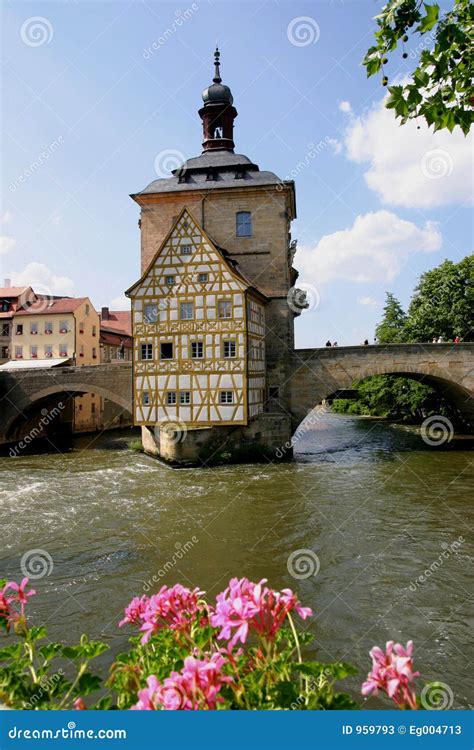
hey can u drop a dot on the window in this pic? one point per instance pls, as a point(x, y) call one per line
point(229, 349)
point(4, 306)
point(93, 408)
point(19, 352)
point(186, 311)
point(170, 280)
point(81, 327)
point(34, 352)
point(166, 350)
point(48, 327)
point(197, 349)
point(81, 350)
point(185, 397)
point(94, 353)
point(19, 329)
point(185, 249)
point(171, 398)
point(4, 354)
point(146, 351)
point(63, 326)
point(48, 351)
point(224, 308)
point(226, 397)
point(94, 330)
point(145, 398)
point(151, 313)
point(202, 278)
point(87, 309)
point(34, 328)
point(274, 392)
point(5, 329)
point(63, 351)
point(243, 224)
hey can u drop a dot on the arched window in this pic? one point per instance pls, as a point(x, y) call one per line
point(243, 224)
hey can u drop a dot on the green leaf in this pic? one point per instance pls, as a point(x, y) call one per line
point(87, 683)
point(50, 650)
point(430, 20)
point(37, 633)
point(337, 671)
point(10, 652)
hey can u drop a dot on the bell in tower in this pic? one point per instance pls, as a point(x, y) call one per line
point(218, 113)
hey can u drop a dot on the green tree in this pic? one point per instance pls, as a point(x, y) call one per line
point(440, 89)
point(391, 328)
point(443, 303)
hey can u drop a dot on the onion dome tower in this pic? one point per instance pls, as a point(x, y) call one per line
point(218, 113)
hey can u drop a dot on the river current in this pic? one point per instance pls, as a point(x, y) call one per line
point(369, 525)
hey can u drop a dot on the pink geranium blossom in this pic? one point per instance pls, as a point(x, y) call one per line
point(174, 607)
point(20, 596)
point(195, 687)
point(135, 611)
point(245, 606)
point(392, 672)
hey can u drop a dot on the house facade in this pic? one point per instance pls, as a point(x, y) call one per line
point(212, 322)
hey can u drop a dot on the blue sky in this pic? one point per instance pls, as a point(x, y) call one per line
point(90, 109)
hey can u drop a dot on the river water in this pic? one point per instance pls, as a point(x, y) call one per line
point(374, 506)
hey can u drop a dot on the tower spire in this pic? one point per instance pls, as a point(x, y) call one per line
point(217, 73)
point(218, 113)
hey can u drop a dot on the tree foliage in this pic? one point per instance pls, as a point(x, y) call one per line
point(391, 328)
point(442, 305)
point(440, 89)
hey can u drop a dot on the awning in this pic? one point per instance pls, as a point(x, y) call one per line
point(30, 364)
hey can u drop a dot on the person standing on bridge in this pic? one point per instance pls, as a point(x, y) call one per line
point(328, 343)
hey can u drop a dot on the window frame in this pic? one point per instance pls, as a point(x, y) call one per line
point(187, 398)
point(166, 343)
point(197, 344)
point(228, 343)
point(224, 401)
point(222, 302)
point(148, 350)
point(189, 303)
point(243, 226)
point(171, 399)
point(145, 398)
point(154, 307)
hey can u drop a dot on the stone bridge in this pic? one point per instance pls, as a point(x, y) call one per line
point(27, 390)
point(319, 373)
point(316, 374)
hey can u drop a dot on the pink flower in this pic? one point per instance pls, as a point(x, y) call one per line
point(135, 611)
point(195, 687)
point(174, 607)
point(79, 705)
point(392, 672)
point(245, 605)
point(20, 596)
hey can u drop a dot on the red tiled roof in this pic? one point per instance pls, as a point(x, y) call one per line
point(12, 291)
point(115, 339)
point(45, 305)
point(118, 321)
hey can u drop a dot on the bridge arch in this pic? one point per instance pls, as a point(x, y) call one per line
point(318, 374)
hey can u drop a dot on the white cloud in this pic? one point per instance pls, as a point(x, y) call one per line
point(375, 248)
point(120, 303)
point(367, 301)
point(345, 107)
point(6, 244)
point(43, 280)
point(335, 145)
point(5, 217)
point(410, 167)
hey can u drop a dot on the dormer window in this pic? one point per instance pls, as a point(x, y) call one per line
point(182, 176)
point(243, 224)
point(239, 173)
point(211, 175)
